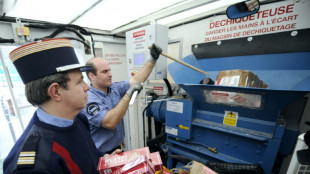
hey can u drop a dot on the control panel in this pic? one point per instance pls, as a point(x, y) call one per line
point(138, 53)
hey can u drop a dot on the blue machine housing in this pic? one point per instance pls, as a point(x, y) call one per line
point(256, 138)
point(197, 127)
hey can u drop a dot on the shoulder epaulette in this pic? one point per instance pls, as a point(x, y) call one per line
point(27, 156)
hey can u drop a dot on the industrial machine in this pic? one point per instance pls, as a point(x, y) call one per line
point(239, 125)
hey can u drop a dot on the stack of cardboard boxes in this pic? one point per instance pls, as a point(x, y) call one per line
point(135, 161)
point(241, 78)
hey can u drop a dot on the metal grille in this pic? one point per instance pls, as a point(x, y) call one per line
point(134, 125)
point(303, 169)
point(141, 118)
point(127, 140)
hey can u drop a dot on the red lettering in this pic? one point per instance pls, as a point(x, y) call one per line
point(265, 14)
point(281, 10)
point(258, 14)
point(211, 25)
point(238, 20)
point(277, 11)
point(223, 23)
point(290, 8)
point(252, 17)
point(230, 22)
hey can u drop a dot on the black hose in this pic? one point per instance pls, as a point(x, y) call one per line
point(169, 87)
point(59, 30)
point(158, 138)
point(7, 40)
point(143, 113)
point(70, 38)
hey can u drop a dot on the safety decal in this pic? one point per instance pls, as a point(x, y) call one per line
point(92, 109)
point(183, 127)
point(230, 118)
point(171, 130)
point(174, 106)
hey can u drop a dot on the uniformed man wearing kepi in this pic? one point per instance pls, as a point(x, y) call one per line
point(57, 138)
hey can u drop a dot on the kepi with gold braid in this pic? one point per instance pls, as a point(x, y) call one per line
point(46, 57)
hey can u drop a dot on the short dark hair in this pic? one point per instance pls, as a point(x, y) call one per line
point(92, 70)
point(36, 90)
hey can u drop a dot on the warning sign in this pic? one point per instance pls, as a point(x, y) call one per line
point(230, 118)
point(271, 18)
point(238, 98)
point(159, 90)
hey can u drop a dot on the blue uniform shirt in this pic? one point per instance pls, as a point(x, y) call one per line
point(98, 105)
point(52, 120)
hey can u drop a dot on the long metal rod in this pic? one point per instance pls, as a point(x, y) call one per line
point(183, 63)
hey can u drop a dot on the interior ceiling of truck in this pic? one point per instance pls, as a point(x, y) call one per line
point(113, 16)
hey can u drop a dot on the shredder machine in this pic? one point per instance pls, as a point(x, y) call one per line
point(241, 125)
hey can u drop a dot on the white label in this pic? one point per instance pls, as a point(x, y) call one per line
point(223, 81)
point(174, 106)
point(229, 81)
point(159, 90)
point(233, 98)
point(171, 131)
point(234, 81)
